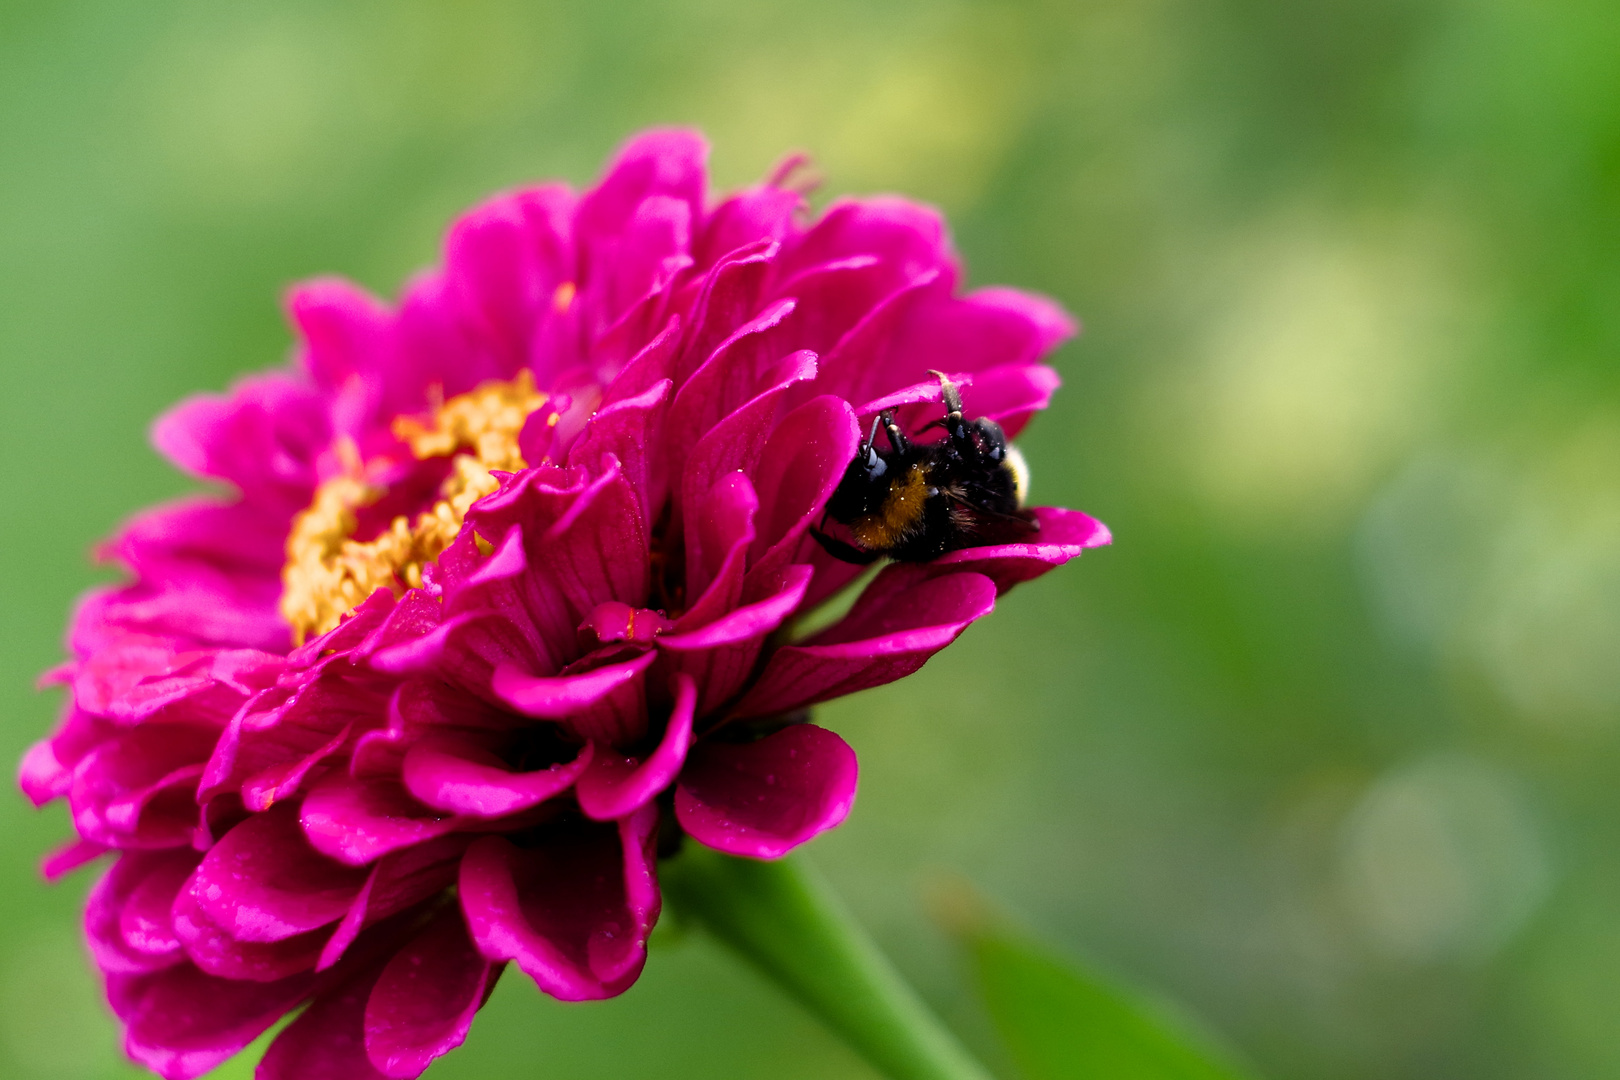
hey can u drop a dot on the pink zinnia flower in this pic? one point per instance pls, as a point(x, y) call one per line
point(502, 606)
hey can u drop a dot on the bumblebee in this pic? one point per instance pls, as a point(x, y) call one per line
point(915, 501)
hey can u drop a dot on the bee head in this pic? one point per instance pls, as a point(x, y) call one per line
point(989, 442)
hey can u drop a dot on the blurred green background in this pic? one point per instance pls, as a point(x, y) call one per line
point(1322, 749)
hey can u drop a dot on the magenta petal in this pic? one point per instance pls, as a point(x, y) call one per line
point(903, 618)
point(910, 236)
point(412, 615)
point(1064, 534)
point(181, 1022)
point(834, 297)
point(395, 883)
point(354, 921)
point(747, 622)
point(580, 546)
point(116, 665)
point(503, 263)
point(460, 777)
point(573, 911)
point(1050, 324)
point(269, 786)
point(580, 542)
point(199, 606)
point(736, 441)
point(328, 1040)
point(924, 327)
point(424, 1001)
point(614, 785)
point(263, 881)
point(731, 449)
point(801, 465)
point(275, 744)
point(720, 533)
point(42, 775)
point(862, 365)
point(212, 948)
point(420, 704)
point(666, 162)
point(629, 432)
point(616, 713)
point(126, 918)
point(614, 622)
point(559, 696)
point(978, 332)
point(206, 569)
point(69, 857)
point(763, 799)
point(648, 366)
point(730, 378)
point(439, 339)
point(47, 768)
point(232, 544)
point(730, 296)
point(263, 437)
point(645, 258)
point(747, 218)
point(722, 655)
point(358, 821)
point(347, 345)
point(139, 789)
point(465, 649)
point(203, 687)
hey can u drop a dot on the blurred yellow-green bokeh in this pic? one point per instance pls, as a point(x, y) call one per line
point(1324, 749)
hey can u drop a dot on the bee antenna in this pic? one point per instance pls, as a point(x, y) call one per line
point(953, 399)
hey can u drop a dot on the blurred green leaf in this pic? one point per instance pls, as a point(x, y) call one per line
point(1060, 1022)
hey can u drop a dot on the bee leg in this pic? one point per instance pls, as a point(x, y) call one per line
point(955, 427)
point(845, 552)
point(897, 438)
point(953, 397)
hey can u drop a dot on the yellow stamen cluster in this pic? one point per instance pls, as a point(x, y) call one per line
point(328, 573)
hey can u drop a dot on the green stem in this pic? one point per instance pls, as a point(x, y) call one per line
point(783, 917)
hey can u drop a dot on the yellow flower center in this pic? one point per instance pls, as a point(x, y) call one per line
point(328, 573)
